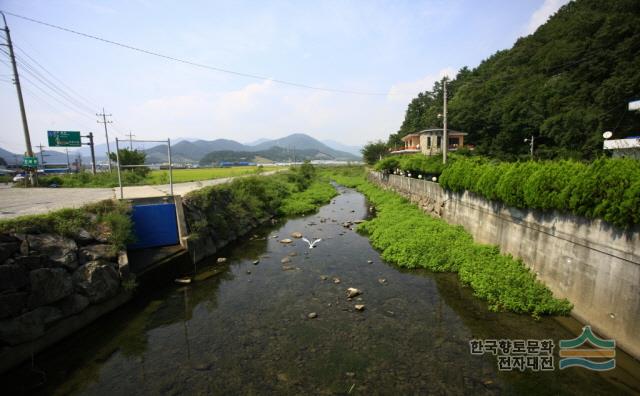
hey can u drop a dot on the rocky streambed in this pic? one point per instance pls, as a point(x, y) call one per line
point(279, 317)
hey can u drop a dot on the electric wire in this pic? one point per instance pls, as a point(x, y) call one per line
point(196, 64)
point(51, 86)
point(91, 102)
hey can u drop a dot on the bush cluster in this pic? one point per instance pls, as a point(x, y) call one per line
point(607, 188)
point(232, 208)
point(409, 238)
point(414, 163)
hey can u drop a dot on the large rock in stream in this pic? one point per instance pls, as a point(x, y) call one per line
point(97, 280)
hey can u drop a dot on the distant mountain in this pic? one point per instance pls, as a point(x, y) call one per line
point(300, 141)
point(256, 142)
point(50, 156)
point(9, 157)
point(355, 150)
point(186, 151)
point(297, 145)
point(273, 154)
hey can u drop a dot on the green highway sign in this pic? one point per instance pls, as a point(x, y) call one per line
point(64, 139)
point(30, 162)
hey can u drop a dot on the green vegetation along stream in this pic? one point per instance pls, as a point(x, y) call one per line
point(244, 328)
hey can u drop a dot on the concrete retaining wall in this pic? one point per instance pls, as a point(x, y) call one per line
point(594, 265)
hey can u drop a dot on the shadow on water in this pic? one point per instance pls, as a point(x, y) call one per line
point(244, 328)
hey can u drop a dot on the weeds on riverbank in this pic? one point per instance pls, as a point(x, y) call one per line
point(110, 218)
point(318, 193)
point(409, 238)
point(231, 209)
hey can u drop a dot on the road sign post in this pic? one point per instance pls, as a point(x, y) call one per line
point(30, 162)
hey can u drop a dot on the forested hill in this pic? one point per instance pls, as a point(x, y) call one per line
point(567, 83)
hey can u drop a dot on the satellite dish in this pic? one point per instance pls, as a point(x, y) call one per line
point(607, 134)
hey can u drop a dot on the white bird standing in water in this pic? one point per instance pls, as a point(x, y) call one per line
point(311, 245)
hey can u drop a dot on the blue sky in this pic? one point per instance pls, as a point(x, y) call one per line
point(396, 48)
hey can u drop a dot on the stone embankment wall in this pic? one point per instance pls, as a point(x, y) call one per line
point(49, 281)
point(220, 229)
point(594, 265)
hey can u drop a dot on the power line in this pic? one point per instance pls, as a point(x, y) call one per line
point(39, 88)
point(92, 103)
point(52, 108)
point(188, 62)
point(53, 87)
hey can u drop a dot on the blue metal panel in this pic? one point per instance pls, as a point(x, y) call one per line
point(154, 225)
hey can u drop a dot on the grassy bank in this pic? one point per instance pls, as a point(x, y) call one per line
point(109, 219)
point(106, 179)
point(409, 238)
point(222, 211)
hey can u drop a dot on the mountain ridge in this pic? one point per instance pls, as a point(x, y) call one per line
point(299, 145)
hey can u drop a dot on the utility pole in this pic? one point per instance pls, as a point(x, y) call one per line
point(93, 153)
point(531, 142)
point(106, 133)
point(131, 135)
point(68, 163)
point(42, 155)
point(445, 140)
point(16, 78)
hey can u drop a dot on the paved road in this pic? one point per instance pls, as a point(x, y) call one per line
point(16, 202)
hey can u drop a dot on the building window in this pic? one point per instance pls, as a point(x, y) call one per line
point(438, 142)
point(429, 141)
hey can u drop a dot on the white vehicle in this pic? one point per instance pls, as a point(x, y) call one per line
point(18, 178)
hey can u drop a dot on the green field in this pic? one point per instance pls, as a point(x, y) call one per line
point(105, 179)
point(187, 175)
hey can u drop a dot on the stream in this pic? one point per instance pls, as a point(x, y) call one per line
point(244, 328)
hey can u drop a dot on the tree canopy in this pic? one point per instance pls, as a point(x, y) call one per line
point(565, 84)
point(374, 151)
point(129, 157)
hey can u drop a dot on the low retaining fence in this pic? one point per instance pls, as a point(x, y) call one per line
point(593, 264)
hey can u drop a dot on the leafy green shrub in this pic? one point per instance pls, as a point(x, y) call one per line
point(488, 180)
point(604, 190)
point(462, 174)
point(421, 164)
point(388, 164)
point(543, 189)
point(607, 188)
point(510, 185)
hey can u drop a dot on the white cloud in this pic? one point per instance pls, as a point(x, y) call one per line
point(267, 109)
point(542, 14)
point(405, 91)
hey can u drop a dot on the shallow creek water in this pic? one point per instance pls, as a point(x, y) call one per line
point(242, 328)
